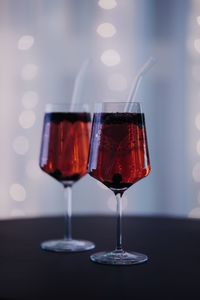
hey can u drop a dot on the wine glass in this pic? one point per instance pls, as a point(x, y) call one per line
point(118, 158)
point(64, 155)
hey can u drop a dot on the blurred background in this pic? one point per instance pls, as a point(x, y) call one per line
point(42, 46)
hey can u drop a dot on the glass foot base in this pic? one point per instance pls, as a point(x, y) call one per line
point(67, 245)
point(120, 258)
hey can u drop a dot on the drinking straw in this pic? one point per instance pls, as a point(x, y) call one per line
point(136, 82)
point(128, 107)
point(78, 85)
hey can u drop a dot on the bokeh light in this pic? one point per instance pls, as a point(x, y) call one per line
point(27, 118)
point(110, 57)
point(17, 192)
point(117, 82)
point(107, 4)
point(21, 145)
point(25, 42)
point(30, 99)
point(106, 30)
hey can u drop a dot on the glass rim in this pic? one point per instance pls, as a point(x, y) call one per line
point(66, 107)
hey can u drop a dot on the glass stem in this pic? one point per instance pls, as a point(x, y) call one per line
point(68, 213)
point(119, 222)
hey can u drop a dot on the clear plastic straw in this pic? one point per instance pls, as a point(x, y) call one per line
point(79, 82)
point(136, 82)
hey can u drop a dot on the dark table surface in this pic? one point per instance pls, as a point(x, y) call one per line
point(172, 272)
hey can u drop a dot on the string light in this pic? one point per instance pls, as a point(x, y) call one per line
point(110, 57)
point(194, 44)
point(17, 192)
point(106, 30)
point(27, 119)
point(25, 42)
point(107, 4)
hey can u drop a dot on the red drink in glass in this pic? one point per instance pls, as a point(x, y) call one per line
point(65, 145)
point(118, 158)
point(64, 156)
point(119, 154)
